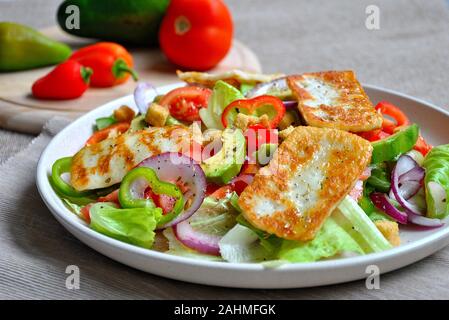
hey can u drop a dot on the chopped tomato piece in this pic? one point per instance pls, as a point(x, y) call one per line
point(222, 192)
point(184, 103)
point(238, 184)
point(112, 197)
point(163, 201)
point(85, 212)
point(105, 133)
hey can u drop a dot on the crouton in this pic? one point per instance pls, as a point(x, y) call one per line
point(124, 114)
point(156, 115)
point(390, 230)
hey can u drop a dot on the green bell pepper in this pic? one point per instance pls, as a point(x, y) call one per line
point(128, 200)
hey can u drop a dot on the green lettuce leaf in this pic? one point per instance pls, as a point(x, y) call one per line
point(223, 94)
point(348, 230)
point(330, 241)
point(436, 164)
point(351, 217)
point(135, 226)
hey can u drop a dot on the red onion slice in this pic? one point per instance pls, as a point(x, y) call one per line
point(143, 91)
point(415, 174)
point(407, 189)
point(424, 221)
point(202, 242)
point(404, 164)
point(407, 164)
point(277, 86)
point(382, 202)
point(175, 167)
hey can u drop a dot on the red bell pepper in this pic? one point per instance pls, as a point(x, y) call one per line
point(386, 108)
point(69, 80)
point(389, 127)
point(111, 63)
point(271, 106)
point(422, 146)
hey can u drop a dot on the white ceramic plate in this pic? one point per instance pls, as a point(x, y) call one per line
point(417, 244)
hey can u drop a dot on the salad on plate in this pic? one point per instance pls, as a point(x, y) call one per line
point(243, 167)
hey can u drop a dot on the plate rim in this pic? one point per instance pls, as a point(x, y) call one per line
point(394, 253)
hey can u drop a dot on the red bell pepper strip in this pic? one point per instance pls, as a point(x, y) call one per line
point(422, 146)
point(103, 134)
point(386, 108)
point(257, 135)
point(389, 127)
point(373, 135)
point(69, 80)
point(111, 63)
point(258, 106)
point(260, 135)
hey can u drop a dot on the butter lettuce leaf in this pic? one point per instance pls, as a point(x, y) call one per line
point(135, 226)
point(436, 164)
point(330, 241)
point(223, 94)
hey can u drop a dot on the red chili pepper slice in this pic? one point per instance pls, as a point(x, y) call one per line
point(258, 106)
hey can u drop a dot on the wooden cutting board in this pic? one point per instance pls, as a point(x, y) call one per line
point(19, 111)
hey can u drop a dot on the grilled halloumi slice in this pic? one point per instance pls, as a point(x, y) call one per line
point(334, 99)
point(233, 77)
point(107, 162)
point(310, 173)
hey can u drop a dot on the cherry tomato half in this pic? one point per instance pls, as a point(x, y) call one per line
point(184, 103)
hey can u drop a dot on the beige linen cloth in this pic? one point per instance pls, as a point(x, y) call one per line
point(409, 53)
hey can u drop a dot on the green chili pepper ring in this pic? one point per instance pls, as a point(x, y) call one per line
point(127, 200)
point(61, 166)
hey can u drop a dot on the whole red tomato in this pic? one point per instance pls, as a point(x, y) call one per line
point(196, 34)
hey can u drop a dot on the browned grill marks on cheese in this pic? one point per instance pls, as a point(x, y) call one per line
point(350, 110)
point(105, 163)
point(345, 157)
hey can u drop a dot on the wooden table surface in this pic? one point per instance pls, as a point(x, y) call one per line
point(408, 53)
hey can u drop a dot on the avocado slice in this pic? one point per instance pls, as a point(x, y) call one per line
point(226, 164)
point(389, 148)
